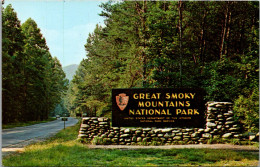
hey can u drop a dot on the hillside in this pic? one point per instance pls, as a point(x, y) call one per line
point(70, 71)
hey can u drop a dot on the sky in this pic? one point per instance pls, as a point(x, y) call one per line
point(65, 24)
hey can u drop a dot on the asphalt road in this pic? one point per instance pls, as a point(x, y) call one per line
point(25, 135)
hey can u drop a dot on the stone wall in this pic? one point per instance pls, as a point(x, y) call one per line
point(219, 124)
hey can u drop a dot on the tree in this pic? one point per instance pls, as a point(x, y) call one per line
point(12, 56)
point(141, 43)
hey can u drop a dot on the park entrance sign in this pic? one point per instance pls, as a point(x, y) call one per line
point(158, 107)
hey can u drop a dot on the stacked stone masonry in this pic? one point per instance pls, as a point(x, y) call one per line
point(219, 124)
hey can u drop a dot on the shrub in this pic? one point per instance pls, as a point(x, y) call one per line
point(247, 111)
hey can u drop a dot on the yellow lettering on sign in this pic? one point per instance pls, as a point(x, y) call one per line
point(135, 96)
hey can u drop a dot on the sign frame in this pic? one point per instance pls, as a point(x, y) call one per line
point(158, 107)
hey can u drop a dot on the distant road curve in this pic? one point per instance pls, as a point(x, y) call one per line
point(22, 136)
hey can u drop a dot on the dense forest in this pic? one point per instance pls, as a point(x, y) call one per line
point(171, 44)
point(33, 82)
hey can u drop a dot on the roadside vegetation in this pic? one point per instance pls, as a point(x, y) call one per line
point(64, 150)
point(172, 44)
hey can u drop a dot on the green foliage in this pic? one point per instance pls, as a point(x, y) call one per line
point(247, 110)
point(33, 81)
point(68, 153)
point(145, 43)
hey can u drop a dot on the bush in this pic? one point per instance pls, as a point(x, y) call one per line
point(247, 111)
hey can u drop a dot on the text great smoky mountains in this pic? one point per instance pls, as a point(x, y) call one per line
point(162, 102)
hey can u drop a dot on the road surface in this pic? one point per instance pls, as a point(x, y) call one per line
point(22, 136)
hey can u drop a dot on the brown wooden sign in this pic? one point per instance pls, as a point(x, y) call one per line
point(155, 107)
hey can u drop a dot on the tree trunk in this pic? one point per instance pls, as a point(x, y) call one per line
point(224, 30)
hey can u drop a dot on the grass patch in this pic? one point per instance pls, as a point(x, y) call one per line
point(64, 150)
point(20, 124)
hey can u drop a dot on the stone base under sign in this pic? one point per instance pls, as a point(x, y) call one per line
point(219, 124)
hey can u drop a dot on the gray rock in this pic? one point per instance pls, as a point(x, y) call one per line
point(127, 131)
point(234, 129)
point(139, 139)
point(167, 135)
point(219, 126)
point(82, 136)
point(138, 132)
point(194, 135)
point(168, 130)
point(127, 140)
point(206, 135)
point(212, 104)
point(227, 103)
point(147, 129)
point(157, 130)
point(124, 135)
point(175, 131)
point(227, 126)
point(153, 135)
point(160, 135)
point(101, 119)
point(220, 106)
point(179, 134)
point(230, 122)
point(230, 119)
point(220, 116)
point(212, 109)
point(236, 136)
point(177, 138)
point(211, 125)
point(252, 137)
point(207, 130)
point(210, 120)
point(227, 135)
point(201, 130)
point(102, 123)
point(188, 130)
point(151, 132)
point(84, 126)
point(228, 114)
